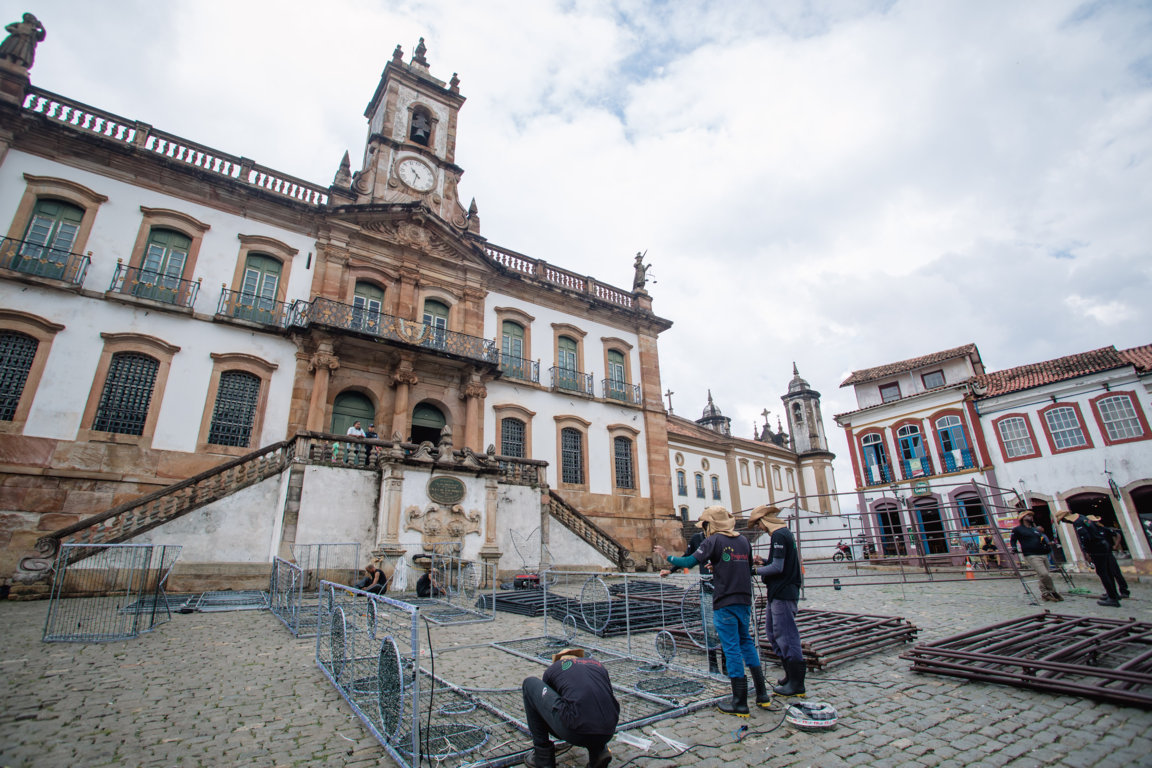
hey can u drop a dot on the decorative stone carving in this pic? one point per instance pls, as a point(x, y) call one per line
point(474, 389)
point(405, 376)
point(423, 453)
point(323, 360)
point(440, 524)
point(343, 178)
point(20, 45)
point(446, 453)
point(471, 460)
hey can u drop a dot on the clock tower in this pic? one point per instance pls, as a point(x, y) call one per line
point(411, 149)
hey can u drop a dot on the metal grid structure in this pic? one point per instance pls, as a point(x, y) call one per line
point(831, 637)
point(1100, 658)
point(108, 592)
point(337, 562)
point(462, 584)
point(293, 587)
point(230, 600)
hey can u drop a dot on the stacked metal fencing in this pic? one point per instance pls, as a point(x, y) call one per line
point(108, 592)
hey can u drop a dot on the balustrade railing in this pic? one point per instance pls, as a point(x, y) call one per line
point(42, 261)
point(144, 137)
point(620, 390)
point(520, 368)
point(334, 314)
point(958, 460)
point(877, 474)
point(917, 467)
point(253, 308)
point(569, 380)
point(154, 286)
point(579, 524)
point(542, 270)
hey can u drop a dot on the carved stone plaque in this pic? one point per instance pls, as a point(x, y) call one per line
point(445, 490)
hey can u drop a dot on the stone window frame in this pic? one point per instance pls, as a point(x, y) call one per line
point(503, 411)
point(698, 484)
point(115, 343)
point(235, 361)
point(790, 479)
point(714, 483)
point(267, 246)
point(745, 477)
point(681, 483)
point(49, 187)
point(616, 344)
point(577, 335)
point(44, 331)
point(777, 483)
point(571, 421)
point(166, 218)
point(761, 477)
point(445, 297)
point(633, 435)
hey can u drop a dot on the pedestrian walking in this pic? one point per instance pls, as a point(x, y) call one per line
point(1030, 542)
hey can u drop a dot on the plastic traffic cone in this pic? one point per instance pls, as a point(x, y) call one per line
point(969, 572)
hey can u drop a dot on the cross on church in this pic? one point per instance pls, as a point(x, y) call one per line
point(765, 413)
point(668, 395)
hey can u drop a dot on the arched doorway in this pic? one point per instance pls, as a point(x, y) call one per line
point(348, 408)
point(1142, 501)
point(933, 540)
point(427, 421)
point(891, 529)
point(1099, 505)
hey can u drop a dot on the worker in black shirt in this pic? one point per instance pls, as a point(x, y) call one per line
point(574, 702)
point(782, 578)
point(1097, 545)
point(1034, 548)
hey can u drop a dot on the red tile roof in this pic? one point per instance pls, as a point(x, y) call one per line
point(891, 369)
point(1050, 371)
point(1141, 357)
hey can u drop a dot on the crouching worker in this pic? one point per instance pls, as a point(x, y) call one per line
point(782, 577)
point(373, 581)
point(731, 557)
point(574, 702)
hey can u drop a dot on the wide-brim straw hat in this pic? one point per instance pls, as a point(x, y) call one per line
point(577, 653)
point(1020, 517)
point(768, 517)
point(1066, 516)
point(719, 520)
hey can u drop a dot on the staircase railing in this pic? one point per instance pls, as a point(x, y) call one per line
point(147, 512)
point(599, 539)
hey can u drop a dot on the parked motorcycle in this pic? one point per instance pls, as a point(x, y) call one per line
point(843, 552)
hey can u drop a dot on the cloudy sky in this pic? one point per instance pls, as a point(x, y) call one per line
point(840, 184)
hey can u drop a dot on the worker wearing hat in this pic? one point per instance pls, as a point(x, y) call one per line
point(1096, 542)
point(1028, 540)
point(574, 702)
point(782, 577)
point(731, 557)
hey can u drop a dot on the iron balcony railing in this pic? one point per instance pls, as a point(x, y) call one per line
point(254, 309)
point(958, 460)
point(571, 381)
point(877, 474)
point(520, 368)
point(361, 320)
point(920, 466)
point(621, 390)
point(42, 261)
point(154, 286)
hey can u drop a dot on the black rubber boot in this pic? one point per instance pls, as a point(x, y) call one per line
point(713, 667)
point(763, 700)
point(795, 684)
point(599, 758)
point(540, 758)
point(738, 704)
point(783, 680)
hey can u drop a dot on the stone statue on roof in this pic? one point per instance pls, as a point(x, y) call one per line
point(20, 45)
point(641, 275)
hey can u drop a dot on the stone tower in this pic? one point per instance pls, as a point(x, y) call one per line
point(713, 419)
point(802, 404)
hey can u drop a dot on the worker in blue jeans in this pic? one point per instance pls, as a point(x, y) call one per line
point(730, 555)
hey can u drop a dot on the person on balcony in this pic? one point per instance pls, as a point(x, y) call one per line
point(731, 557)
point(1028, 540)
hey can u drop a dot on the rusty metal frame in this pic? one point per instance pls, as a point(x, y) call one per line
point(1109, 659)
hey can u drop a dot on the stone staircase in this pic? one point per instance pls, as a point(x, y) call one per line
point(595, 536)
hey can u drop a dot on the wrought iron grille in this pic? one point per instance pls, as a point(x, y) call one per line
point(958, 459)
point(235, 409)
point(571, 381)
point(17, 351)
point(512, 438)
point(621, 390)
point(253, 308)
point(520, 368)
point(127, 394)
point(43, 261)
point(423, 335)
point(154, 286)
point(572, 456)
point(622, 447)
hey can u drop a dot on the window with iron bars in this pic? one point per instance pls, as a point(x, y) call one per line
point(622, 448)
point(699, 486)
point(715, 488)
point(17, 351)
point(235, 410)
point(512, 438)
point(123, 407)
point(681, 482)
point(571, 456)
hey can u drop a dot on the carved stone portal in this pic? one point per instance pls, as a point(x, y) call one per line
point(439, 523)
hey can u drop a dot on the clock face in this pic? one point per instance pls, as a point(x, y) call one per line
point(415, 174)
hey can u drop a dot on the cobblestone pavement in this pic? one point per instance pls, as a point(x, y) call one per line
point(237, 689)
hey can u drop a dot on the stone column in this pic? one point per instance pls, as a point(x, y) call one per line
point(404, 379)
point(390, 511)
point(490, 553)
point(473, 395)
point(321, 366)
